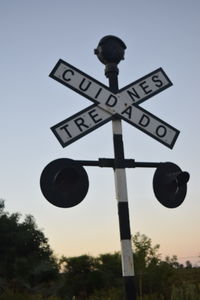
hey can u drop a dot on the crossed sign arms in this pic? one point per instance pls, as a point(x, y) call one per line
point(106, 105)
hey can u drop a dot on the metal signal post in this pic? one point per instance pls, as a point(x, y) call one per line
point(110, 52)
point(64, 182)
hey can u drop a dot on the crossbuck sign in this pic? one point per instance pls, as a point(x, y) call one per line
point(106, 105)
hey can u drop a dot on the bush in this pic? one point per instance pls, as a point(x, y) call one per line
point(9, 295)
point(187, 291)
point(111, 294)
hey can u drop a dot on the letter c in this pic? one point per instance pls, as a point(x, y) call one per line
point(65, 73)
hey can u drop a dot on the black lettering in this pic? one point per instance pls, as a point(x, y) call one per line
point(66, 130)
point(133, 94)
point(64, 75)
point(161, 131)
point(97, 94)
point(145, 87)
point(128, 111)
point(158, 82)
point(86, 87)
point(144, 121)
point(113, 101)
point(80, 123)
point(93, 114)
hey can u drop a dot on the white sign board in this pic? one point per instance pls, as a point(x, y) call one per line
point(124, 104)
point(80, 124)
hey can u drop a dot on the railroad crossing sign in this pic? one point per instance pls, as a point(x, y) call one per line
point(106, 105)
point(110, 103)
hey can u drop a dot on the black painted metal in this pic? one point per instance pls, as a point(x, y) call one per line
point(170, 184)
point(110, 50)
point(125, 233)
point(129, 286)
point(146, 164)
point(120, 163)
point(118, 148)
point(64, 182)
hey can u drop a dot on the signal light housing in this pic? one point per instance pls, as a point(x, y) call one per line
point(64, 182)
point(170, 184)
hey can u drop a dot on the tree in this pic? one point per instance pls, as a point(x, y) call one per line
point(80, 276)
point(85, 274)
point(24, 250)
point(188, 264)
point(146, 258)
point(110, 270)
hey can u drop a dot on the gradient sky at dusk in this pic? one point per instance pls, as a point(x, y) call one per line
point(34, 35)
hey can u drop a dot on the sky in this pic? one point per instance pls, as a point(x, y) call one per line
point(34, 36)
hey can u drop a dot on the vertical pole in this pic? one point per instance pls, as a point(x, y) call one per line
point(111, 73)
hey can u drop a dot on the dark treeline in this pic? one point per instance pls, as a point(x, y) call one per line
point(29, 270)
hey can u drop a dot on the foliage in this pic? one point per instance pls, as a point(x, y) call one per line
point(25, 254)
point(145, 253)
point(187, 291)
point(29, 270)
point(109, 267)
point(80, 276)
point(84, 275)
point(146, 261)
point(110, 294)
point(10, 295)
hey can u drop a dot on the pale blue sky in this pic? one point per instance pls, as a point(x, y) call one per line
point(34, 35)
